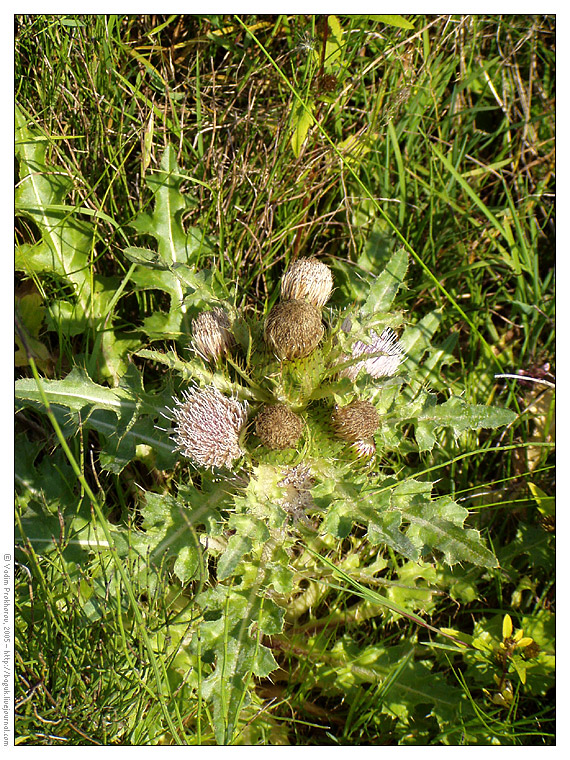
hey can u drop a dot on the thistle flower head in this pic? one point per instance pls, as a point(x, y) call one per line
point(211, 334)
point(364, 449)
point(278, 427)
point(384, 365)
point(208, 426)
point(297, 499)
point(307, 280)
point(293, 329)
point(357, 421)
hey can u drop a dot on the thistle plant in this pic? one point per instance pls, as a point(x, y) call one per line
point(284, 426)
point(324, 387)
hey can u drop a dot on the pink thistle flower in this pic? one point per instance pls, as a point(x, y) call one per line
point(208, 426)
point(384, 365)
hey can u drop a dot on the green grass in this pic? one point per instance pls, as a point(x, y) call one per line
point(439, 139)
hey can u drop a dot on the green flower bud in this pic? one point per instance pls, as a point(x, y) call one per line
point(364, 449)
point(278, 427)
point(293, 329)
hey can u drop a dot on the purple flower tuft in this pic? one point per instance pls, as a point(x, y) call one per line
point(208, 427)
point(391, 356)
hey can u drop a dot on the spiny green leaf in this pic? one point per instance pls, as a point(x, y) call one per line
point(145, 257)
point(405, 517)
point(164, 222)
point(384, 289)
point(76, 392)
point(66, 240)
point(173, 267)
point(416, 339)
point(126, 416)
point(461, 415)
point(237, 547)
point(458, 415)
point(170, 534)
point(65, 249)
